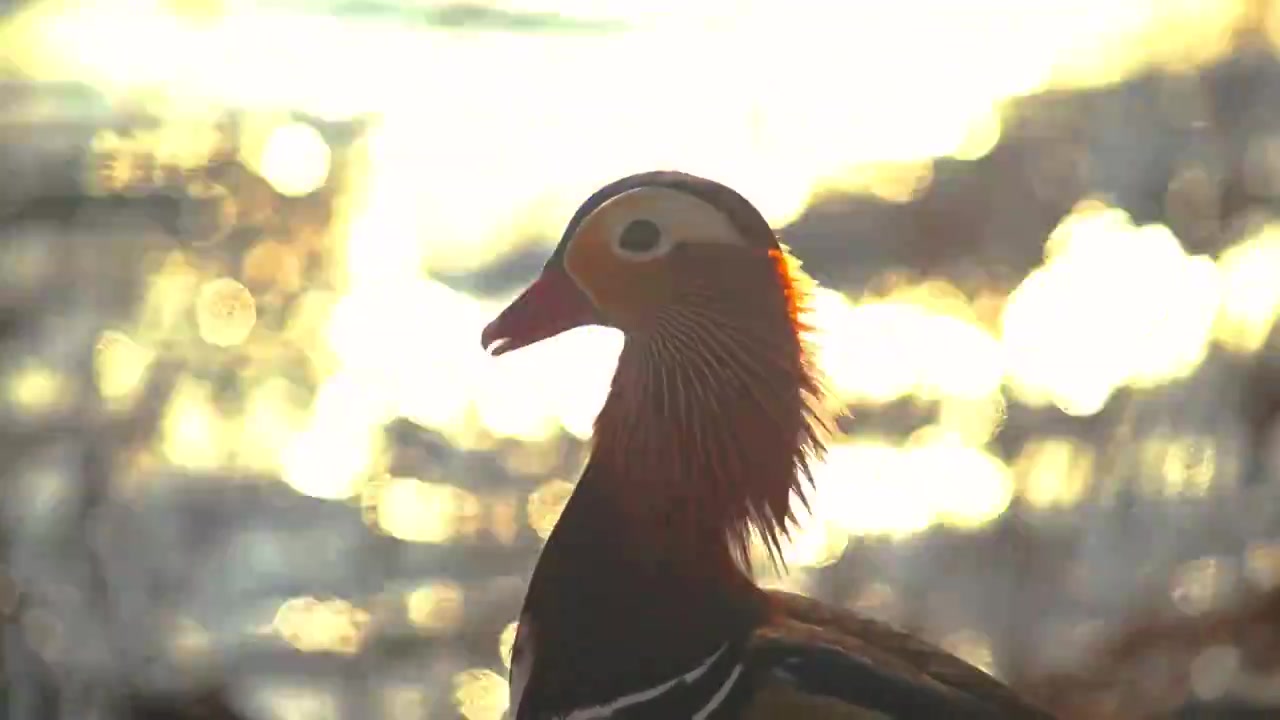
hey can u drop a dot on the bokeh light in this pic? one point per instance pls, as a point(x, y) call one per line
point(423, 511)
point(36, 390)
point(874, 487)
point(120, 365)
point(545, 505)
point(225, 312)
point(293, 157)
point(311, 624)
point(336, 239)
point(193, 434)
point(1054, 472)
point(480, 694)
point(1113, 305)
point(301, 702)
point(1250, 293)
point(506, 642)
point(436, 608)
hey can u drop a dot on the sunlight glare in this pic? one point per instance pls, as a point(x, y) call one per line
point(873, 487)
point(861, 484)
point(967, 486)
point(1114, 305)
point(561, 383)
point(272, 418)
point(333, 456)
point(293, 157)
point(1250, 291)
point(817, 539)
point(884, 349)
point(424, 512)
point(192, 432)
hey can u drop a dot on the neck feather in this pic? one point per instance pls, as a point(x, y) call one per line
point(714, 414)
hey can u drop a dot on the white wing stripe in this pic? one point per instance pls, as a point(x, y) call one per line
point(603, 711)
point(720, 695)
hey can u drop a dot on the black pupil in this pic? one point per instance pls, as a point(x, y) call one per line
point(639, 236)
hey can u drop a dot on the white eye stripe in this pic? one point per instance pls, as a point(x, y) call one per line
point(678, 217)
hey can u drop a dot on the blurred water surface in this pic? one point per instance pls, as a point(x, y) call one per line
point(246, 250)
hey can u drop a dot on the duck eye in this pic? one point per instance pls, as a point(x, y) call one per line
point(640, 236)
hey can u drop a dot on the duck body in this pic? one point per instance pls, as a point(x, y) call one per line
point(640, 605)
point(609, 631)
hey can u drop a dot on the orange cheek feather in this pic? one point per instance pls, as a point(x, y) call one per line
point(627, 293)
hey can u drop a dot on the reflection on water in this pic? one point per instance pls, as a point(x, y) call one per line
point(355, 195)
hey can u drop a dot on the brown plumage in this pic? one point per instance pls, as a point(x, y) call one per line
point(715, 354)
point(641, 605)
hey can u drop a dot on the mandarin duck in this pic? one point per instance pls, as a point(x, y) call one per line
point(641, 604)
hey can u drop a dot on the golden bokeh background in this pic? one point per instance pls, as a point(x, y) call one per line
point(247, 249)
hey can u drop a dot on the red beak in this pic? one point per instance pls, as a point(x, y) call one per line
point(548, 307)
